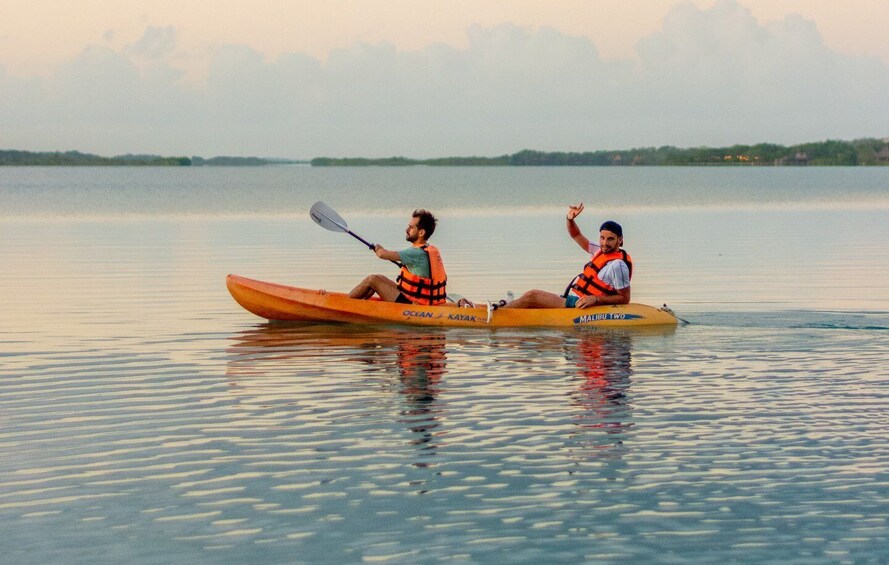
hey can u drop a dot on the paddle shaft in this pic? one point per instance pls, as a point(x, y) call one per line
point(361, 239)
point(370, 246)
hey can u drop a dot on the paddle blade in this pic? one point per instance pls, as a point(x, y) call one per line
point(327, 218)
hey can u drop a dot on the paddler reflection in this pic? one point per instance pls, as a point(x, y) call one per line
point(273, 366)
point(602, 393)
point(605, 370)
point(422, 361)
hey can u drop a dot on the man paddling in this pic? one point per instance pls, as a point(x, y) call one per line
point(605, 278)
point(422, 279)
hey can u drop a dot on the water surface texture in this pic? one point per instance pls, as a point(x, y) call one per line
point(146, 418)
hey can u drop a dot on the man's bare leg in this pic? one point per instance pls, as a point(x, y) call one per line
point(537, 299)
point(376, 284)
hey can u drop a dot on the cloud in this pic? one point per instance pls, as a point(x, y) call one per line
point(715, 76)
point(154, 43)
point(720, 70)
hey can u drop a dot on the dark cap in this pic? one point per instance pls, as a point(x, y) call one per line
point(613, 227)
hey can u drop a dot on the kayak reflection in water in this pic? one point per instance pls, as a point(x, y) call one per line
point(275, 372)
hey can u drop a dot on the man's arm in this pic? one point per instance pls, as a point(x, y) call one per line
point(573, 230)
point(622, 297)
point(384, 253)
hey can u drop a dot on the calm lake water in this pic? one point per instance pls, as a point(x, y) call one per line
point(146, 418)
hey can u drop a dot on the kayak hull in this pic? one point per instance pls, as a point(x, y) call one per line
point(277, 302)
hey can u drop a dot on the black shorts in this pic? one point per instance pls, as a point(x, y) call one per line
point(402, 299)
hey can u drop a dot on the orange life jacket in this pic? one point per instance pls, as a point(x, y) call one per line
point(420, 290)
point(588, 282)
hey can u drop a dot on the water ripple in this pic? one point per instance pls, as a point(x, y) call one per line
point(144, 419)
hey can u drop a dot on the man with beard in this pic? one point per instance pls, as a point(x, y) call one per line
point(422, 279)
point(605, 278)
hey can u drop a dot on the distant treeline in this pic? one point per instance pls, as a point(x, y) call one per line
point(76, 158)
point(825, 153)
point(864, 152)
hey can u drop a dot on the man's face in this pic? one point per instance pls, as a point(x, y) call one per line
point(412, 233)
point(610, 241)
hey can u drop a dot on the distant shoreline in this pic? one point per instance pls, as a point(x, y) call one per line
point(78, 159)
point(860, 152)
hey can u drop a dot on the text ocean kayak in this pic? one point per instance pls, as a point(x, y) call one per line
point(278, 302)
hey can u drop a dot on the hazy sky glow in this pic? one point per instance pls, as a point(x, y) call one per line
point(425, 78)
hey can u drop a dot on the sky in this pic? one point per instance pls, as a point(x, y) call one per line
point(430, 78)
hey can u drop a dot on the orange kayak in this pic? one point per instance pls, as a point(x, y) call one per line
point(278, 302)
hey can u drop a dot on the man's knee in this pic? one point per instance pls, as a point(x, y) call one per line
point(536, 296)
point(376, 281)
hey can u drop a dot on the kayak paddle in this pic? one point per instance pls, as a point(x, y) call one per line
point(329, 219)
